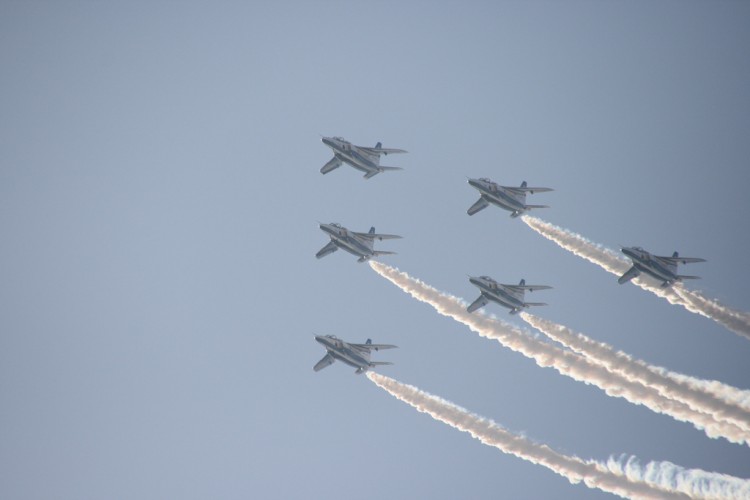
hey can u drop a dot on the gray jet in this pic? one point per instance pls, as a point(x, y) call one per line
point(359, 244)
point(508, 198)
point(360, 157)
point(510, 296)
point(355, 355)
point(662, 268)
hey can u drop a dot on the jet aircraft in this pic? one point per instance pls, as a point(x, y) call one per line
point(360, 157)
point(355, 355)
point(662, 268)
point(508, 198)
point(510, 296)
point(359, 244)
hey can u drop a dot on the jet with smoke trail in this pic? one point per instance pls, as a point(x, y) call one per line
point(624, 477)
point(565, 362)
point(662, 268)
point(512, 199)
point(510, 296)
point(700, 397)
point(736, 321)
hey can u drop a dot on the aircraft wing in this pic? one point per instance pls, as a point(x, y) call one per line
point(329, 248)
point(379, 236)
point(481, 204)
point(528, 288)
point(332, 164)
point(377, 347)
point(683, 260)
point(526, 189)
point(480, 302)
point(326, 361)
point(387, 151)
point(629, 275)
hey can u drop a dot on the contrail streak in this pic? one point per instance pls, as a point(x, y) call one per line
point(736, 321)
point(698, 395)
point(624, 477)
point(565, 362)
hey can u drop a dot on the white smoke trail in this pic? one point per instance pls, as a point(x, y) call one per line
point(488, 432)
point(736, 321)
point(624, 477)
point(565, 362)
point(699, 396)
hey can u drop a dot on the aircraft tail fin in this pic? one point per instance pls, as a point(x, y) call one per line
point(675, 255)
point(372, 230)
point(522, 282)
point(378, 145)
point(523, 184)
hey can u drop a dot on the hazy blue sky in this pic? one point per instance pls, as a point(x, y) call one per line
point(159, 199)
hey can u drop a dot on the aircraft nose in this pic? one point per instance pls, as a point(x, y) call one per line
point(475, 183)
point(327, 141)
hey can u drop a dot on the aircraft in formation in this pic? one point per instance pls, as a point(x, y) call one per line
point(354, 355)
point(360, 157)
point(359, 244)
point(510, 296)
point(660, 267)
point(508, 198)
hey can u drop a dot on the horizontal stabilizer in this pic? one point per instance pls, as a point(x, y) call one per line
point(533, 190)
point(528, 207)
point(686, 277)
point(527, 304)
point(377, 253)
point(481, 204)
point(380, 363)
point(380, 169)
point(329, 248)
point(332, 164)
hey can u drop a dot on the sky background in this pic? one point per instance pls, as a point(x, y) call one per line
point(159, 199)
